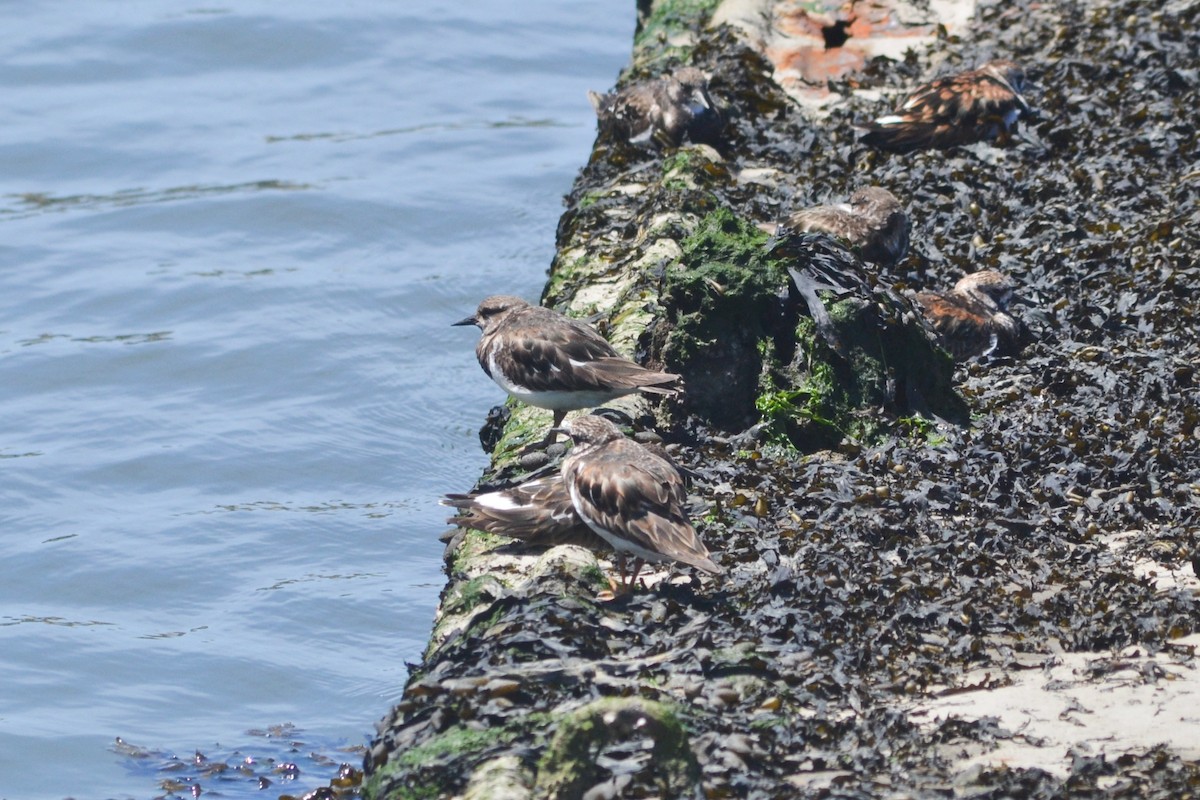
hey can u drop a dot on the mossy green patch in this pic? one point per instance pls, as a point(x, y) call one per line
point(695, 168)
point(679, 161)
point(823, 396)
point(723, 292)
point(920, 428)
point(568, 272)
point(590, 199)
point(737, 654)
point(595, 576)
point(419, 772)
point(382, 784)
point(568, 764)
point(462, 599)
point(748, 351)
point(568, 767)
point(461, 739)
point(667, 24)
point(727, 239)
point(811, 403)
point(472, 544)
point(527, 425)
point(465, 595)
point(767, 722)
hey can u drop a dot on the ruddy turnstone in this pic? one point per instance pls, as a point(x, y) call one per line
point(538, 512)
point(873, 224)
point(631, 497)
point(972, 318)
point(968, 107)
point(662, 111)
point(548, 360)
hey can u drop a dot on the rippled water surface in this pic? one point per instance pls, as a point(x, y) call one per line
point(232, 239)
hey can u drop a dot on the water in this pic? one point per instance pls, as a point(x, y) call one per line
point(232, 240)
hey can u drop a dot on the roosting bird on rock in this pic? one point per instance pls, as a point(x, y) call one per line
point(978, 105)
point(872, 223)
point(662, 112)
point(549, 360)
point(538, 512)
point(631, 497)
point(972, 318)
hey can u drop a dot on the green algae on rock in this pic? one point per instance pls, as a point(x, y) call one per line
point(568, 767)
point(747, 348)
point(721, 297)
point(668, 29)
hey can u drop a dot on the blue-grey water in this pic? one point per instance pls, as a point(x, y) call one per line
point(233, 237)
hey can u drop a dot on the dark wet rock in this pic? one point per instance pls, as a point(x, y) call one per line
point(535, 459)
point(882, 553)
point(493, 427)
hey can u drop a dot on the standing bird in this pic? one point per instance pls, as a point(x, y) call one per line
point(630, 497)
point(981, 104)
point(661, 112)
point(972, 318)
point(873, 224)
point(538, 512)
point(549, 360)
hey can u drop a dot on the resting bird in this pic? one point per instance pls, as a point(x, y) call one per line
point(873, 224)
point(662, 112)
point(549, 360)
point(538, 512)
point(631, 497)
point(972, 318)
point(978, 105)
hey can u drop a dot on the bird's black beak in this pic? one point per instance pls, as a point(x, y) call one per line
point(557, 431)
point(467, 321)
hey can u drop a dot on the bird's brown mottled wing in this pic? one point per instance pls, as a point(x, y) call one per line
point(558, 354)
point(940, 99)
point(538, 345)
point(959, 109)
point(632, 113)
point(639, 497)
point(661, 112)
point(972, 107)
point(964, 330)
point(538, 512)
point(827, 219)
point(625, 374)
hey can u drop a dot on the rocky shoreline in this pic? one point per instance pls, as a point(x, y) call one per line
point(975, 581)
